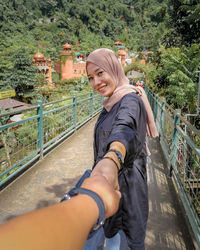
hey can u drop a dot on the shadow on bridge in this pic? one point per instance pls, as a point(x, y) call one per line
point(46, 182)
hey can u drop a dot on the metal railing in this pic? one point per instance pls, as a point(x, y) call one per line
point(42, 127)
point(180, 142)
point(45, 125)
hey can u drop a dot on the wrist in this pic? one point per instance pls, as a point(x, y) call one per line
point(117, 145)
point(118, 155)
point(108, 192)
point(96, 198)
point(113, 159)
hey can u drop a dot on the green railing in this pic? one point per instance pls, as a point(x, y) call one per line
point(45, 125)
point(42, 127)
point(180, 142)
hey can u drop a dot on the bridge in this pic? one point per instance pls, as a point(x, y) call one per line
point(44, 154)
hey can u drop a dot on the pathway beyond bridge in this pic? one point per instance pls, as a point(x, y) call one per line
point(46, 182)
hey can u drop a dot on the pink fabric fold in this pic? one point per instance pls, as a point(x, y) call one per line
point(151, 126)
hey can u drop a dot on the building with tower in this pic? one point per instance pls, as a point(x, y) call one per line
point(67, 67)
point(44, 66)
point(122, 56)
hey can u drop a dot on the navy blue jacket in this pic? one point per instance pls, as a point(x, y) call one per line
point(126, 122)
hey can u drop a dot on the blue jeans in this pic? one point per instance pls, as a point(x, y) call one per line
point(96, 242)
point(118, 242)
point(113, 243)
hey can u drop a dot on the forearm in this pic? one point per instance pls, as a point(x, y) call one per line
point(62, 226)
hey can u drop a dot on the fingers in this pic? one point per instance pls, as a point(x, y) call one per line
point(108, 171)
point(109, 179)
point(119, 194)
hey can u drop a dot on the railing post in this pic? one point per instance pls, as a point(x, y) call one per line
point(74, 110)
point(175, 141)
point(156, 107)
point(40, 128)
point(162, 116)
point(152, 101)
point(91, 103)
point(147, 91)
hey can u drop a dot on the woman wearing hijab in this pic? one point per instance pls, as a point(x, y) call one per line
point(120, 146)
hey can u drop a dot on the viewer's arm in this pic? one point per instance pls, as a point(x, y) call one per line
point(63, 226)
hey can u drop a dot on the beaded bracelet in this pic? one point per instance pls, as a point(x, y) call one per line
point(119, 155)
point(110, 158)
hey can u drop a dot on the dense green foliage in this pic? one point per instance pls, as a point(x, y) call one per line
point(27, 26)
point(186, 20)
point(178, 62)
point(94, 23)
point(180, 66)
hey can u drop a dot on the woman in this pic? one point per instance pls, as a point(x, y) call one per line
point(119, 145)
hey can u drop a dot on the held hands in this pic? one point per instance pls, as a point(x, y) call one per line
point(110, 197)
point(106, 168)
point(104, 178)
point(109, 168)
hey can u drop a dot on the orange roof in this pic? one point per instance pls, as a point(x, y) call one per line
point(122, 52)
point(39, 57)
point(118, 43)
point(67, 46)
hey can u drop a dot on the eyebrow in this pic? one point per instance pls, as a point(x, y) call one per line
point(95, 71)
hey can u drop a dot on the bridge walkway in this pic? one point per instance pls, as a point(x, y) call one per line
point(46, 182)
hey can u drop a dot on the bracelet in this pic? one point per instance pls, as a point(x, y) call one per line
point(96, 198)
point(119, 155)
point(110, 158)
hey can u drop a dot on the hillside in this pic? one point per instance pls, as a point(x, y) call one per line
point(50, 23)
point(170, 28)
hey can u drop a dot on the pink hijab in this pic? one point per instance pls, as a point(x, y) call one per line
point(107, 60)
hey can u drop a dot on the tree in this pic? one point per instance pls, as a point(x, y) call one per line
point(16, 70)
point(6, 67)
point(186, 18)
point(23, 75)
point(179, 68)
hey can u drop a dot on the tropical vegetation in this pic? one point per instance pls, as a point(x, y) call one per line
point(169, 28)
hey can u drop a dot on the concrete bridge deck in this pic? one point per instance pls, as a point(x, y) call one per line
point(46, 182)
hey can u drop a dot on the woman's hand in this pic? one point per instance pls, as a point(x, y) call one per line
point(108, 194)
point(107, 168)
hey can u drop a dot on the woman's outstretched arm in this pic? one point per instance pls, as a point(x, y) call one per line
point(107, 167)
point(62, 226)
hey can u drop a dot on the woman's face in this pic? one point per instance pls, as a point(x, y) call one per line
point(100, 80)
